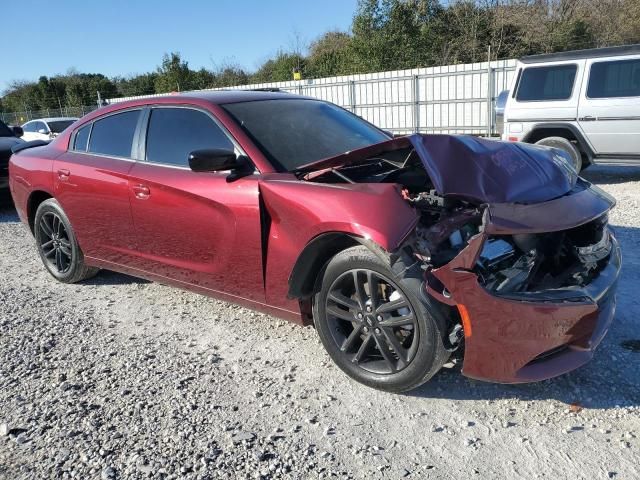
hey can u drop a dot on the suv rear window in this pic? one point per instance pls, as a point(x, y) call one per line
point(113, 135)
point(546, 83)
point(619, 78)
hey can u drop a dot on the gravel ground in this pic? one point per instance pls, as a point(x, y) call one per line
point(122, 378)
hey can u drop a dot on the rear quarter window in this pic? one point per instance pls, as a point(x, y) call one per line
point(81, 139)
point(620, 78)
point(546, 83)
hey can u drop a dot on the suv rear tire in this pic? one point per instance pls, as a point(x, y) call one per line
point(567, 146)
point(389, 340)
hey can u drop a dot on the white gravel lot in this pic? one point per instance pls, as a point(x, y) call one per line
point(120, 378)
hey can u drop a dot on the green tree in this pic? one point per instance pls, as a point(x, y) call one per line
point(174, 74)
point(330, 55)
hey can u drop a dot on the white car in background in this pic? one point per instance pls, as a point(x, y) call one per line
point(45, 128)
point(585, 102)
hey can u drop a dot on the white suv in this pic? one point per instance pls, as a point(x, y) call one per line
point(585, 102)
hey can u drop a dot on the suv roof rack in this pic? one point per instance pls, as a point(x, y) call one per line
point(582, 54)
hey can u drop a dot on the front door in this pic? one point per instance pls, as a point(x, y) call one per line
point(198, 228)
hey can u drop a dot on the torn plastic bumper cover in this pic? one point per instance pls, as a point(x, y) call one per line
point(523, 336)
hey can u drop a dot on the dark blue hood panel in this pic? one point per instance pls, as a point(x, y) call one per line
point(488, 171)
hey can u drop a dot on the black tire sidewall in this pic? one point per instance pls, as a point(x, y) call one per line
point(53, 206)
point(425, 361)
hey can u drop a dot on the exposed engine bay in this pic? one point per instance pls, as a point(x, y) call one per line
point(507, 264)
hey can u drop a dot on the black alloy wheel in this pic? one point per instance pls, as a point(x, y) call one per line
point(375, 323)
point(55, 244)
point(371, 321)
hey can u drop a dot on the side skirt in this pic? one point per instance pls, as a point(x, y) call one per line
point(292, 316)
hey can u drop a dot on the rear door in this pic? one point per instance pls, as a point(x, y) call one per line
point(91, 184)
point(199, 228)
point(609, 111)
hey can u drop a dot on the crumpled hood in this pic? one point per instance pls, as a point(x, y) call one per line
point(490, 171)
point(477, 169)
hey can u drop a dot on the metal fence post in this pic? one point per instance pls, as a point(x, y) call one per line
point(352, 95)
point(416, 105)
point(489, 99)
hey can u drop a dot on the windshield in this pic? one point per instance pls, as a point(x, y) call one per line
point(58, 126)
point(294, 132)
point(5, 131)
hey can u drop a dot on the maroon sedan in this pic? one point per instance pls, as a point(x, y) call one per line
point(401, 251)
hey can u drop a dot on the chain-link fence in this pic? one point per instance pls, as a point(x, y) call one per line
point(18, 118)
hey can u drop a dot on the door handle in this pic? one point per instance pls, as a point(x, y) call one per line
point(63, 174)
point(141, 192)
point(587, 118)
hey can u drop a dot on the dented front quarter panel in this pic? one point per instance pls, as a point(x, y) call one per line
point(301, 211)
point(505, 335)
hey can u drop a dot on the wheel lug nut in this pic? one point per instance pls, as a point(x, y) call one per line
point(377, 330)
point(379, 318)
point(368, 308)
point(360, 315)
point(366, 329)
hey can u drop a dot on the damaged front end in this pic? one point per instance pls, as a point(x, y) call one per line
point(514, 246)
point(532, 304)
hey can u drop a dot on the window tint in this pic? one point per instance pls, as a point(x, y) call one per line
point(175, 132)
point(614, 79)
point(81, 139)
point(59, 125)
point(40, 126)
point(114, 135)
point(546, 83)
point(29, 127)
point(292, 133)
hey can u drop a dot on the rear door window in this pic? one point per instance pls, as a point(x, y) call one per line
point(620, 78)
point(174, 133)
point(546, 83)
point(114, 134)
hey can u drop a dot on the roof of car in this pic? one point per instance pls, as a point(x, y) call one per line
point(212, 96)
point(53, 119)
point(583, 54)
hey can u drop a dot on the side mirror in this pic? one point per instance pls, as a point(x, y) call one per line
point(17, 131)
point(213, 160)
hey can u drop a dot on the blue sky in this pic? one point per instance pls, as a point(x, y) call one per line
point(123, 37)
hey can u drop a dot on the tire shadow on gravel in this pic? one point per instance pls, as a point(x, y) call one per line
point(611, 175)
point(107, 277)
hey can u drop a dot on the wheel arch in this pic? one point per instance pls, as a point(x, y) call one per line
point(35, 199)
point(564, 130)
point(315, 255)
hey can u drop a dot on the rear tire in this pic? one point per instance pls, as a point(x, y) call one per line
point(389, 341)
point(567, 146)
point(57, 244)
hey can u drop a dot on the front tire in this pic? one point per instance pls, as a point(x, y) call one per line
point(57, 244)
point(373, 323)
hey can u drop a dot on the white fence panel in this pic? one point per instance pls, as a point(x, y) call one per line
point(445, 99)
